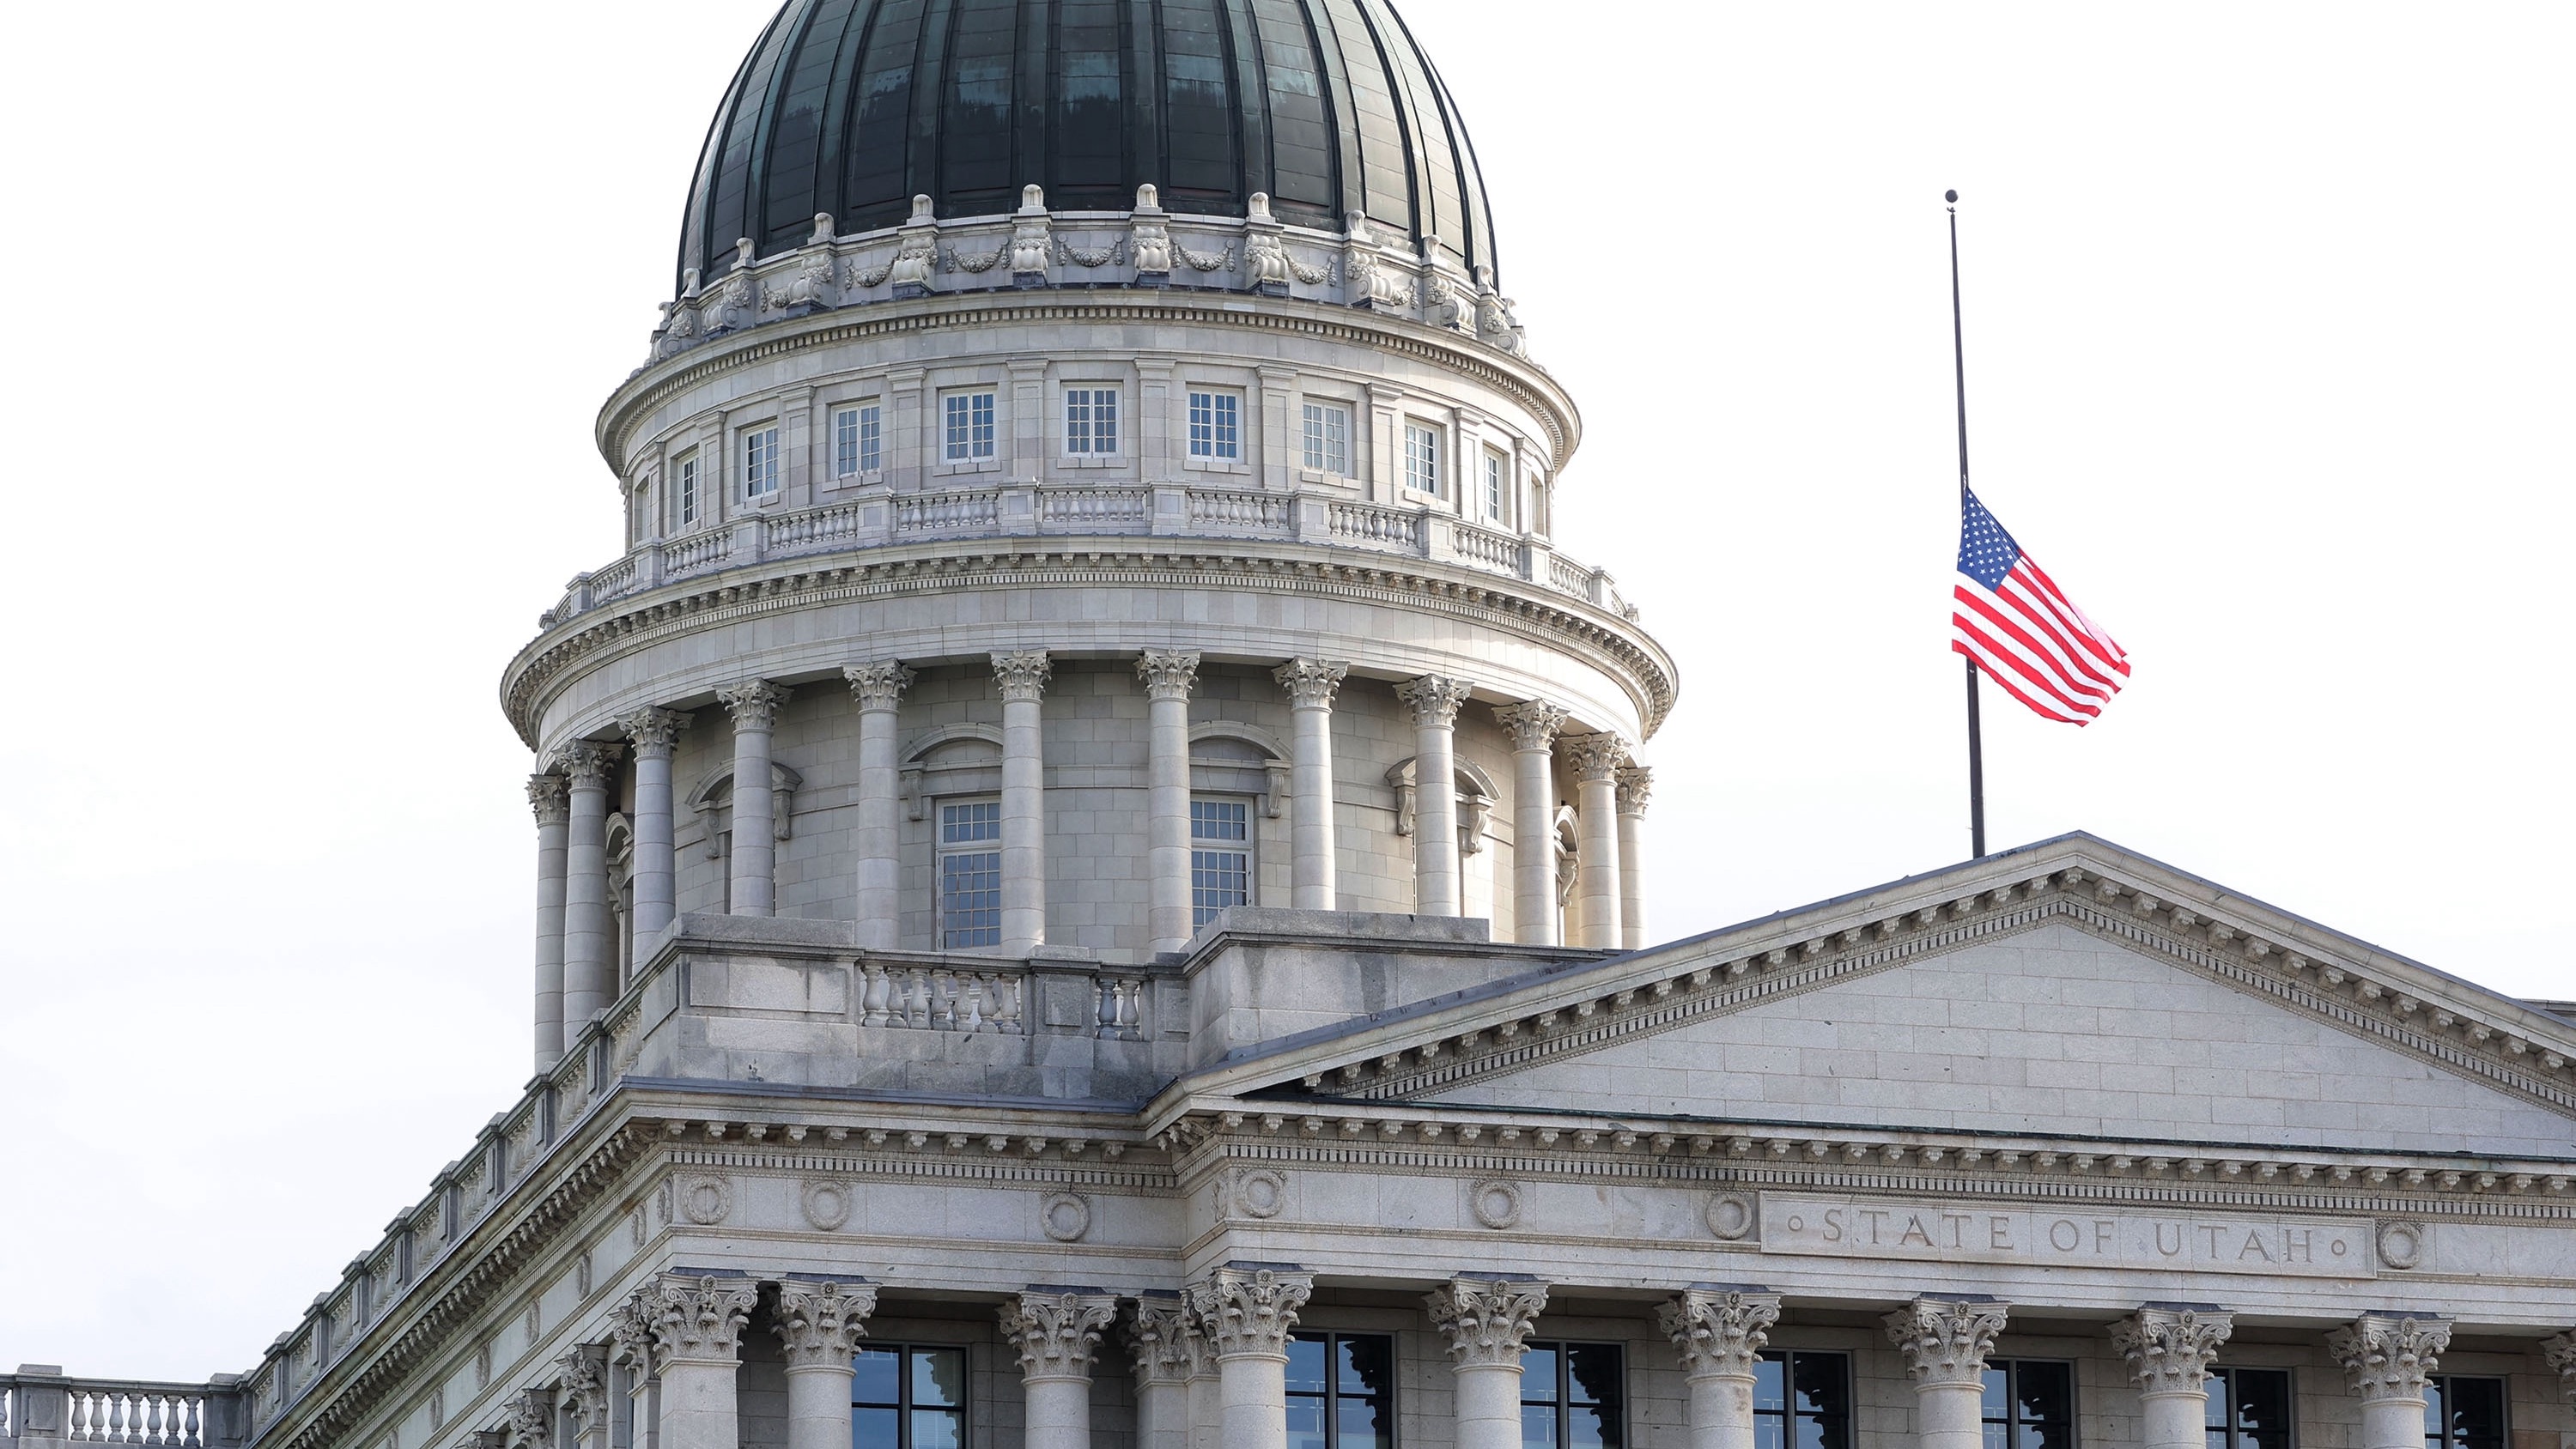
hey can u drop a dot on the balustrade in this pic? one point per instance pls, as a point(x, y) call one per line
point(814, 529)
point(1368, 523)
point(697, 553)
point(949, 511)
point(909, 996)
point(1238, 510)
point(1487, 548)
point(1103, 508)
point(120, 1411)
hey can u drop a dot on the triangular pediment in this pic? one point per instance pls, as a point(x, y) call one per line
point(2069, 989)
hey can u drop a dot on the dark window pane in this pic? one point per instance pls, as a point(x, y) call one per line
point(1305, 1423)
point(2262, 1407)
point(938, 1377)
point(2216, 1408)
point(2477, 1411)
point(874, 1428)
point(1367, 1365)
point(878, 1377)
point(2436, 1415)
point(1594, 1373)
point(1770, 1378)
point(1538, 1374)
point(1768, 1432)
point(1306, 1364)
point(1363, 1424)
point(1594, 1426)
point(1820, 1383)
point(1538, 1426)
point(938, 1429)
point(1996, 1435)
point(1996, 1408)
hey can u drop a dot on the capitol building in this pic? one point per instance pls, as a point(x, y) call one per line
point(1092, 868)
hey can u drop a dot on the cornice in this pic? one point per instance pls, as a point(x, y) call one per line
point(640, 396)
point(1612, 644)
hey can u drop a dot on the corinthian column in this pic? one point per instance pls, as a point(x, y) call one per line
point(1165, 1355)
point(1434, 700)
point(590, 937)
point(2559, 1352)
point(1944, 1341)
point(2169, 1349)
point(696, 1325)
point(1310, 684)
point(1718, 1333)
point(2388, 1357)
point(820, 1325)
point(1055, 1331)
point(1635, 783)
point(546, 798)
point(1168, 675)
point(1247, 1314)
point(878, 688)
point(1533, 728)
point(1596, 760)
point(584, 1373)
point(654, 733)
point(1487, 1318)
point(1023, 677)
point(754, 705)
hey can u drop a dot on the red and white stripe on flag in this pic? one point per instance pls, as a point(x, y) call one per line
point(2031, 639)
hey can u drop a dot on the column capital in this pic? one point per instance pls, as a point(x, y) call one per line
point(1056, 1330)
point(1023, 674)
point(1164, 1340)
point(653, 731)
point(878, 685)
point(1595, 757)
point(630, 1336)
point(2169, 1349)
point(2389, 1356)
point(1944, 1340)
point(2560, 1354)
point(753, 703)
point(586, 763)
point(1247, 1312)
point(1532, 726)
point(1310, 682)
point(1718, 1331)
point(547, 797)
point(532, 1418)
point(584, 1373)
point(696, 1318)
point(1168, 673)
point(1636, 783)
point(820, 1324)
point(1434, 698)
point(1486, 1320)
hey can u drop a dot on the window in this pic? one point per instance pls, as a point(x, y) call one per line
point(2029, 1404)
point(2249, 1408)
point(1220, 858)
point(1422, 459)
point(1091, 420)
point(1573, 1395)
point(2463, 1413)
point(1801, 1400)
point(969, 431)
point(760, 463)
point(1341, 1391)
point(1216, 425)
point(908, 1398)
point(1496, 471)
point(1328, 438)
point(970, 874)
point(858, 440)
point(688, 489)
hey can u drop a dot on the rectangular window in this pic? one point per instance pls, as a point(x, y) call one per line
point(1341, 1391)
point(1328, 438)
point(1091, 421)
point(1216, 425)
point(903, 1397)
point(970, 874)
point(968, 434)
point(760, 463)
point(2464, 1413)
point(1220, 858)
point(2029, 1404)
point(857, 435)
point(688, 489)
point(1573, 1396)
point(2249, 1408)
point(1801, 1400)
point(1422, 459)
point(1496, 472)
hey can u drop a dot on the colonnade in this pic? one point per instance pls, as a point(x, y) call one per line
point(576, 945)
point(1210, 1361)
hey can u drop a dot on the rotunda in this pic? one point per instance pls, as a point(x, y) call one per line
point(1088, 478)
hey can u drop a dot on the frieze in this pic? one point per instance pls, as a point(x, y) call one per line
point(1925, 1231)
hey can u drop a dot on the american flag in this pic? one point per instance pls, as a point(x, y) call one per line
point(2023, 631)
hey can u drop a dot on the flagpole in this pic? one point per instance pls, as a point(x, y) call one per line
point(1959, 362)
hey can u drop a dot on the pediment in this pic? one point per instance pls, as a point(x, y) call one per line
point(2068, 989)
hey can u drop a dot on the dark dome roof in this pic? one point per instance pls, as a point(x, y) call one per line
point(853, 106)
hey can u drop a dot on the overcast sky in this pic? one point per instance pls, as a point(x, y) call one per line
point(2268, 346)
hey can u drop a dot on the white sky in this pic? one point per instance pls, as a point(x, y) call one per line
point(2268, 321)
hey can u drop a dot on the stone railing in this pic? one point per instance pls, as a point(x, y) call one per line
point(40, 1406)
point(945, 996)
point(1041, 510)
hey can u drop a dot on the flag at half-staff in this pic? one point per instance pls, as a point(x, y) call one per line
point(2022, 630)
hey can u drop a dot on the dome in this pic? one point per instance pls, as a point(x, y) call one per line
point(852, 107)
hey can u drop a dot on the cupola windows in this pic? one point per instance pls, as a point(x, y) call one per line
point(970, 874)
point(966, 427)
point(1327, 440)
point(685, 487)
point(1422, 458)
point(858, 440)
point(1216, 425)
point(760, 463)
point(1091, 421)
point(1220, 858)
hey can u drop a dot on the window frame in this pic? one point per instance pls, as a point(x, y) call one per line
point(982, 447)
point(1224, 440)
point(862, 452)
point(685, 496)
point(1423, 461)
point(1331, 1397)
point(760, 462)
point(2224, 1403)
point(2013, 1425)
point(903, 1406)
point(1563, 1390)
point(1498, 484)
point(1789, 1416)
point(1091, 395)
point(942, 850)
point(1243, 846)
point(1318, 451)
point(2438, 1398)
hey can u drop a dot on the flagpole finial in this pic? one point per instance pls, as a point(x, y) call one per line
point(1951, 197)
